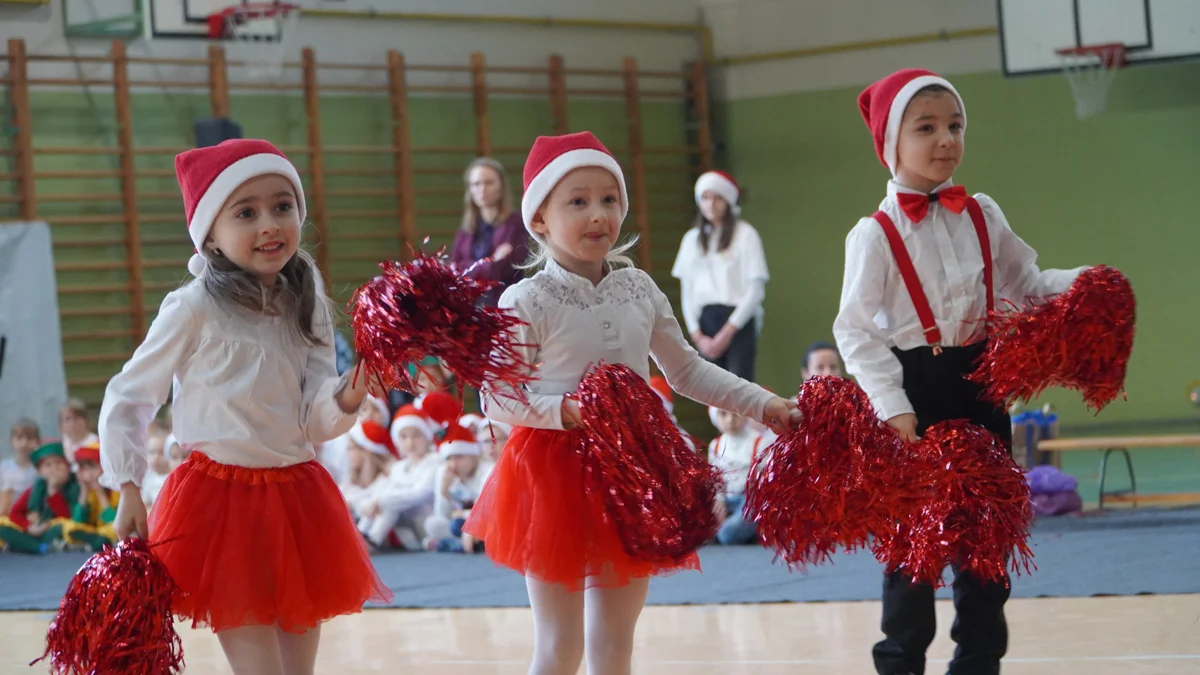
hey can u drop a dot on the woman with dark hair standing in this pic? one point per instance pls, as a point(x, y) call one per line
point(490, 228)
point(722, 274)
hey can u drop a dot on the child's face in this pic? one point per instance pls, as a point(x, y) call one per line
point(581, 218)
point(258, 228)
point(154, 445)
point(930, 144)
point(823, 362)
point(485, 187)
point(23, 444)
point(72, 424)
point(373, 413)
point(430, 379)
point(730, 423)
point(89, 473)
point(412, 443)
point(494, 448)
point(178, 454)
point(463, 466)
point(713, 207)
point(54, 470)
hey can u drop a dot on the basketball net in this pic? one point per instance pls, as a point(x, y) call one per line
point(258, 35)
point(1090, 71)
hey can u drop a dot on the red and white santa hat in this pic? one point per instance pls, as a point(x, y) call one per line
point(373, 438)
point(659, 384)
point(459, 441)
point(724, 185)
point(378, 404)
point(713, 413)
point(492, 428)
point(440, 408)
point(883, 104)
point(208, 176)
point(409, 417)
point(552, 158)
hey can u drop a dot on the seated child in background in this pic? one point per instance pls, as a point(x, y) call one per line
point(17, 473)
point(370, 454)
point(36, 521)
point(335, 454)
point(405, 498)
point(96, 508)
point(158, 464)
point(460, 480)
point(75, 428)
point(493, 436)
point(821, 359)
point(733, 452)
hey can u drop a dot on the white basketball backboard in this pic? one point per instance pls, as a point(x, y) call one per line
point(1153, 31)
point(188, 19)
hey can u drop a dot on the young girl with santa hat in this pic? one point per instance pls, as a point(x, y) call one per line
point(921, 276)
point(587, 305)
point(722, 274)
point(248, 348)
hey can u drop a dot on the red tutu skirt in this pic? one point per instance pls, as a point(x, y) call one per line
point(261, 546)
point(535, 517)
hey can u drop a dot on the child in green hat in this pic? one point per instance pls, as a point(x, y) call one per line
point(36, 522)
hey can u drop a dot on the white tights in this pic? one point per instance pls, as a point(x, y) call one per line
point(597, 622)
point(267, 650)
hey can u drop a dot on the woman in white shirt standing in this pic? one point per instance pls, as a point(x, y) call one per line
point(722, 274)
point(248, 349)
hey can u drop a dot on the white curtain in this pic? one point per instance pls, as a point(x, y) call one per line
point(32, 381)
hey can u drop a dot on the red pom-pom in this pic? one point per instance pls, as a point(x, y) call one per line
point(116, 617)
point(424, 308)
point(658, 493)
point(970, 507)
point(829, 483)
point(1080, 340)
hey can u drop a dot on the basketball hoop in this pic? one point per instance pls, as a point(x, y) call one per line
point(1090, 70)
point(258, 34)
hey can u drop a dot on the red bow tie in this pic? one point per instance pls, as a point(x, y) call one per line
point(916, 206)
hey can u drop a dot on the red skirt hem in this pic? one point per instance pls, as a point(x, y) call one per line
point(535, 518)
point(271, 546)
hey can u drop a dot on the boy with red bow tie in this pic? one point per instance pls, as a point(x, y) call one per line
point(921, 275)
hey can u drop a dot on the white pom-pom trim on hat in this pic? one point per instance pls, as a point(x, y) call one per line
point(543, 184)
point(456, 448)
point(225, 184)
point(410, 422)
point(360, 439)
point(725, 189)
point(713, 413)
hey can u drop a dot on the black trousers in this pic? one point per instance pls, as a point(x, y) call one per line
point(739, 358)
point(938, 391)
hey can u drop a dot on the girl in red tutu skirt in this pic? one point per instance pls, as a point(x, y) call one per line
point(251, 527)
point(587, 305)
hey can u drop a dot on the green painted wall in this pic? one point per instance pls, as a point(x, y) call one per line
point(1116, 189)
point(71, 119)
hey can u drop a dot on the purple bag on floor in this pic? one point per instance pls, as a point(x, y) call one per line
point(1048, 479)
point(1056, 503)
point(1053, 491)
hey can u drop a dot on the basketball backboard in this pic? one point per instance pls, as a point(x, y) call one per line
point(188, 19)
point(1153, 31)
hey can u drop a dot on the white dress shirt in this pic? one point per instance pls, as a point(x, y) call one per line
point(248, 390)
point(410, 484)
point(734, 454)
point(573, 325)
point(735, 277)
point(876, 312)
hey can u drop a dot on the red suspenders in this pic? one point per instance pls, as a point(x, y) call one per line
point(932, 335)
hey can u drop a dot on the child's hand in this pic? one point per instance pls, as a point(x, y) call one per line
point(571, 416)
point(131, 514)
point(502, 251)
point(371, 509)
point(906, 426)
point(780, 414)
point(468, 543)
point(38, 529)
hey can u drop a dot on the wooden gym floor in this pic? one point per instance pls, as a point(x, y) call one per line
point(1157, 635)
